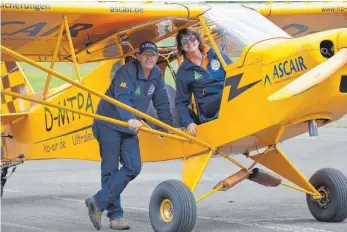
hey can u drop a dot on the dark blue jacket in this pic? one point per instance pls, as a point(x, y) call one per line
point(205, 85)
point(131, 87)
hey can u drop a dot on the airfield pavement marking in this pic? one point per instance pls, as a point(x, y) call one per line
point(24, 226)
point(257, 223)
point(10, 190)
point(262, 223)
point(331, 139)
point(68, 199)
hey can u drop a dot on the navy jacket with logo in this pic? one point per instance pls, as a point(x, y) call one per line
point(131, 87)
point(205, 85)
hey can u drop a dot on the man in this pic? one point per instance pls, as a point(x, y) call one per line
point(135, 84)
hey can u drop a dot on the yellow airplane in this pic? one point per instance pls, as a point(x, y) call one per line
point(288, 77)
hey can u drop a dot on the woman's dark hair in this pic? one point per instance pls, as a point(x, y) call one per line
point(188, 32)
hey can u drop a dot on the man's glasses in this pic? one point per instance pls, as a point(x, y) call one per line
point(191, 39)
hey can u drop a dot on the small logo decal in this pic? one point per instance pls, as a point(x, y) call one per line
point(123, 84)
point(151, 89)
point(215, 64)
point(137, 91)
point(197, 75)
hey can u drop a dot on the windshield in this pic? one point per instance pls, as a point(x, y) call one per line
point(235, 27)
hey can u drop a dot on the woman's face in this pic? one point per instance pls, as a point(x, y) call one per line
point(189, 43)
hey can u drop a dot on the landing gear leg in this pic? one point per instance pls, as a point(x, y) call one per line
point(4, 171)
point(3, 178)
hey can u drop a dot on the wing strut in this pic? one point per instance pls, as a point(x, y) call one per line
point(55, 53)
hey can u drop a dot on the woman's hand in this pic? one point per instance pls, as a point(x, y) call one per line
point(192, 129)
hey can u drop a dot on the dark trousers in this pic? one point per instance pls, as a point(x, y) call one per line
point(115, 147)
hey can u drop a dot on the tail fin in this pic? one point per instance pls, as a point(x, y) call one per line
point(14, 80)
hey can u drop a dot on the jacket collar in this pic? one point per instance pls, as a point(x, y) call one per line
point(187, 64)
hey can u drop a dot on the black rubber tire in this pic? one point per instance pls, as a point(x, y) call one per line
point(336, 182)
point(184, 207)
point(2, 190)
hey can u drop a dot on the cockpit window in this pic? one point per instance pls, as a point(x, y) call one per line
point(235, 27)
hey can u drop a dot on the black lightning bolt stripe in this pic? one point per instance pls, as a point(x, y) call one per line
point(234, 82)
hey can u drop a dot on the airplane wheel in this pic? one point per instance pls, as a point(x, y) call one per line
point(172, 207)
point(332, 184)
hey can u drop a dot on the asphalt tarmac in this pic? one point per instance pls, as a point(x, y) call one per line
point(49, 195)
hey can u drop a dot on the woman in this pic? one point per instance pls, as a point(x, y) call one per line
point(202, 74)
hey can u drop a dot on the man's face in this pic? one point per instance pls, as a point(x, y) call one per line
point(147, 60)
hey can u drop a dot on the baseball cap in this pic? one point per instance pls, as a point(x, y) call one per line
point(148, 46)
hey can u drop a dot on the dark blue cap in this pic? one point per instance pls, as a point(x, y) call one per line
point(148, 46)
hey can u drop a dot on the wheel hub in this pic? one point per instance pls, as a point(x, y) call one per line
point(166, 210)
point(326, 197)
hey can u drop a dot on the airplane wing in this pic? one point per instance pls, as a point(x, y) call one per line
point(299, 19)
point(99, 31)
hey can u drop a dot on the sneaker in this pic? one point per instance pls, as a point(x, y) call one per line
point(94, 213)
point(119, 224)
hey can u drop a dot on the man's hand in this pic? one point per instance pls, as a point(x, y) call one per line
point(134, 125)
point(192, 129)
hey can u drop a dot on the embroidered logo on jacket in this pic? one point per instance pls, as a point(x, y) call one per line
point(197, 75)
point(215, 65)
point(151, 89)
point(137, 91)
point(123, 84)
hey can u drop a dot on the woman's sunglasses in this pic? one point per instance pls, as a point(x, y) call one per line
point(191, 39)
